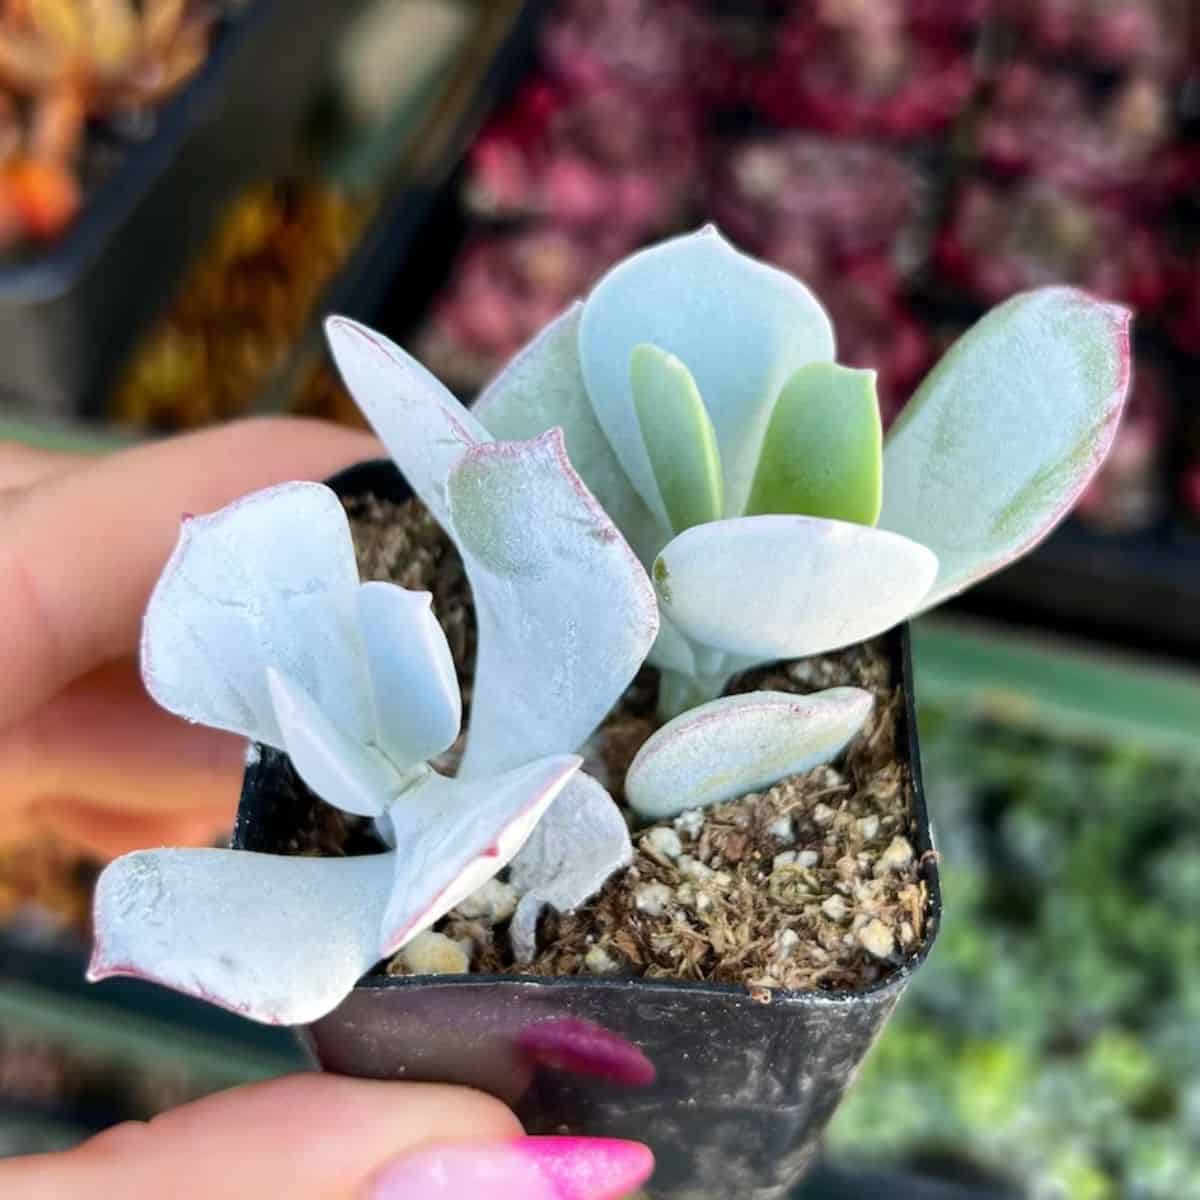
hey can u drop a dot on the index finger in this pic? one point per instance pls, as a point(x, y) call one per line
point(80, 551)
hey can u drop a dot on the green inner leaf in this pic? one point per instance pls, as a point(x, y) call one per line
point(823, 452)
point(679, 437)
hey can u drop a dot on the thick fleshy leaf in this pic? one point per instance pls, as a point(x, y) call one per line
point(741, 744)
point(742, 329)
point(580, 842)
point(268, 581)
point(679, 438)
point(785, 587)
point(348, 774)
point(277, 939)
point(418, 706)
point(453, 835)
point(566, 612)
point(425, 429)
point(1004, 434)
point(672, 651)
point(541, 389)
point(823, 452)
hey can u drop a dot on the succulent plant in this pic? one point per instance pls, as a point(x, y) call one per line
point(700, 402)
point(857, 69)
point(839, 200)
point(1001, 240)
point(653, 45)
point(606, 158)
point(1109, 35)
point(1051, 124)
point(1127, 493)
point(697, 398)
point(505, 287)
point(259, 625)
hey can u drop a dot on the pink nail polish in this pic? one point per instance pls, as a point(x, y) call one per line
point(542, 1168)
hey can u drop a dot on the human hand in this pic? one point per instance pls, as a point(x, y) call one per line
point(84, 752)
point(321, 1137)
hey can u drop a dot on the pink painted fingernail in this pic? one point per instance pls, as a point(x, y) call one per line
point(531, 1168)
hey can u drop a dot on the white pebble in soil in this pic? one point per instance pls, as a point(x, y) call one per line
point(663, 844)
point(782, 829)
point(690, 824)
point(432, 953)
point(598, 961)
point(693, 868)
point(496, 901)
point(653, 899)
point(876, 938)
point(789, 939)
point(896, 857)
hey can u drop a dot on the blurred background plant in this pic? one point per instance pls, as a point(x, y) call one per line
point(80, 81)
point(1052, 1039)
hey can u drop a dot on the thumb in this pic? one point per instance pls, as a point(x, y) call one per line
point(307, 1137)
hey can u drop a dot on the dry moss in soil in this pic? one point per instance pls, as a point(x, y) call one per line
point(812, 884)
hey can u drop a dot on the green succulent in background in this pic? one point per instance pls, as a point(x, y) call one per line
point(1052, 1036)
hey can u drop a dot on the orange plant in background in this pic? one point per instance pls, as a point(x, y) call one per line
point(65, 63)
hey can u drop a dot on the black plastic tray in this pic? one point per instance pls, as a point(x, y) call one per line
point(68, 317)
point(1141, 591)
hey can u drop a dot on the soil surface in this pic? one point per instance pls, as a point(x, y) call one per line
point(812, 884)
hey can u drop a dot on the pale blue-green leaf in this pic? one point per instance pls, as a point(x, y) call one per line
point(822, 454)
point(566, 612)
point(679, 437)
point(672, 651)
point(741, 744)
point(1005, 433)
point(786, 587)
point(349, 774)
point(268, 581)
point(453, 835)
point(741, 328)
point(417, 702)
point(425, 429)
point(541, 389)
point(577, 846)
point(277, 939)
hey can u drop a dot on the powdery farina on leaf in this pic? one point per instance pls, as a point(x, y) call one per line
point(990, 454)
point(260, 626)
point(741, 744)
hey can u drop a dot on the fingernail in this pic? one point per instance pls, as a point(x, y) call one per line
point(541, 1168)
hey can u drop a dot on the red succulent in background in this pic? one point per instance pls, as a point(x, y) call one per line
point(1183, 323)
point(650, 45)
point(945, 19)
point(603, 156)
point(851, 68)
point(504, 289)
point(876, 328)
point(1000, 240)
point(1052, 124)
point(803, 201)
point(1108, 35)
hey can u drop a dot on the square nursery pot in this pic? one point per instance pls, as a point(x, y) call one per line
point(730, 1088)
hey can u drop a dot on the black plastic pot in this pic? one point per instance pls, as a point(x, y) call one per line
point(731, 1090)
point(69, 316)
